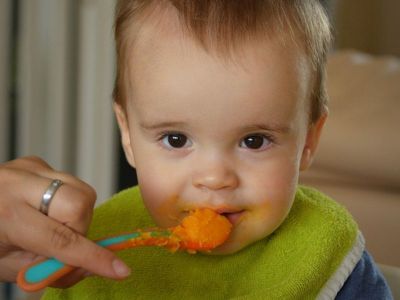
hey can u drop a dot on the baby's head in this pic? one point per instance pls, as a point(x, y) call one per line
point(220, 105)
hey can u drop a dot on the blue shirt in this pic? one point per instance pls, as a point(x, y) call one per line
point(365, 282)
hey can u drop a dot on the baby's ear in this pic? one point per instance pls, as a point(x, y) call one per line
point(124, 130)
point(312, 140)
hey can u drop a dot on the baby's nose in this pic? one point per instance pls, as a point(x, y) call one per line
point(215, 175)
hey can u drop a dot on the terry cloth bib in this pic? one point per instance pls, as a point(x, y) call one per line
point(309, 256)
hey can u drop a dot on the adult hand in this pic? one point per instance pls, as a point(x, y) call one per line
point(26, 234)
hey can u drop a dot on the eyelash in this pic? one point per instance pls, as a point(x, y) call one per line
point(267, 141)
point(165, 135)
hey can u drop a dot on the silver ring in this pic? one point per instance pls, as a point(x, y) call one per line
point(48, 196)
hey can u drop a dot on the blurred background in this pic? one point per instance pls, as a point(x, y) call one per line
point(57, 67)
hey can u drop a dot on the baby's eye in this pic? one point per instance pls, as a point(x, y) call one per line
point(256, 142)
point(176, 140)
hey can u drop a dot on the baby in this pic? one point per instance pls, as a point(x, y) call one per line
point(220, 105)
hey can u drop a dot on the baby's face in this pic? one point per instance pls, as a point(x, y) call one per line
point(204, 132)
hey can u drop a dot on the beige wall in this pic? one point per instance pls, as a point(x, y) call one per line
point(372, 26)
point(5, 7)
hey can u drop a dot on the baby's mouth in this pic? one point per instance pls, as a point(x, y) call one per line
point(233, 217)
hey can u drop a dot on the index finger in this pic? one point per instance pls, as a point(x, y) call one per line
point(47, 237)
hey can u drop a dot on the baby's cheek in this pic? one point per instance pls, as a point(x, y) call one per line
point(279, 194)
point(150, 192)
point(265, 220)
point(157, 199)
point(274, 212)
point(265, 217)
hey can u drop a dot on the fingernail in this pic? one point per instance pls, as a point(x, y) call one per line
point(120, 268)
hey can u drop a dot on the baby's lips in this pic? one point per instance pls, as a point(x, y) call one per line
point(234, 217)
point(203, 229)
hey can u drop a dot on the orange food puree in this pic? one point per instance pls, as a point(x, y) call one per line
point(202, 229)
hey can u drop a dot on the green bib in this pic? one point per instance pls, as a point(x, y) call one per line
point(309, 256)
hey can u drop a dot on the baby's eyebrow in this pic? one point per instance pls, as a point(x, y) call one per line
point(268, 127)
point(254, 127)
point(161, 125)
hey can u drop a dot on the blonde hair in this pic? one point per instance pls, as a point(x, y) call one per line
point(229, 23)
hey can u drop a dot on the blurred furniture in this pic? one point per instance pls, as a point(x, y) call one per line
point(392, 275)
point(367, 25)
point(358, 160)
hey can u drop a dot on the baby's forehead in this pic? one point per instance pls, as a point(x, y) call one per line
point(162, 24)
point(158, 29)
point(162, 34)
point(175, 66)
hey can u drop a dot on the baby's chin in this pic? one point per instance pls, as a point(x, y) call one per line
point(241, 239)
